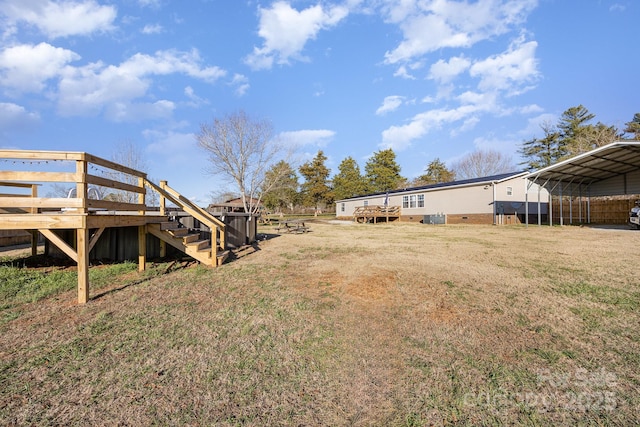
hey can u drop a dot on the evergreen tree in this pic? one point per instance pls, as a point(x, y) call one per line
point(572, 136)
point(435, 173)
point(348, 182)
point(633, 127)
point(284, 185)
point(382, 173)
point(315, 190)
point(540, 153)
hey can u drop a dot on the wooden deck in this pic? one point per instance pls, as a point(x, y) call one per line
point(123, 204)
point(376, 214)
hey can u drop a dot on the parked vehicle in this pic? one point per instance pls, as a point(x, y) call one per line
point(634, 216)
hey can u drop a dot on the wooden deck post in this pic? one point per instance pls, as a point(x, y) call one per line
point(81, 183)
point(163, 212)
point(82, 247)
point(142, 247)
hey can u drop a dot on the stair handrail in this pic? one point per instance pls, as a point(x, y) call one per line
point(191, 208)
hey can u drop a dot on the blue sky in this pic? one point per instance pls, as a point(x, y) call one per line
point(428, 78)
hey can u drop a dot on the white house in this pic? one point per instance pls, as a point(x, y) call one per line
point(497, 199)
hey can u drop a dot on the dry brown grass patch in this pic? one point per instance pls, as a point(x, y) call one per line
point(398, 325)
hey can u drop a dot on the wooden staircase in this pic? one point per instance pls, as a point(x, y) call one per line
point(189, 242)
point(209, 251)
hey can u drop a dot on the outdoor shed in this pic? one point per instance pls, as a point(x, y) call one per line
point(496, 199)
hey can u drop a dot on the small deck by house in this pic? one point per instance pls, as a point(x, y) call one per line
point(104, 195)
point(376, 214)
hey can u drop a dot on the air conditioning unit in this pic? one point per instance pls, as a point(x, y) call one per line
point(438, 218)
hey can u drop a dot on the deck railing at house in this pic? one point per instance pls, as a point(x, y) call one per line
point(365, 213)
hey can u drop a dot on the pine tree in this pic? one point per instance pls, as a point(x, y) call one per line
point(543, 152)
point(348, 182)
point(283, 192)
point(435, 173)
point(315, 190)
point(633, 127)
point(573, 131)
point(382, 173)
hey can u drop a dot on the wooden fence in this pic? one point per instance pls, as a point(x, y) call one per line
point(602, 210)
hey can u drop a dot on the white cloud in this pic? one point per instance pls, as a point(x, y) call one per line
point(534, 124)
point(26, 68)
point(510, 70)
point(149, 3)
point(400, 137)
point(13, 116)
point(87, 90)
point(286, 31)
point(433, 25)
point(132, 112)
point(319, 137)
point(152, 29)
point(60, 18)
point(175, 147)
point(195, 100)
point(445, 71)
point(617, 7)
point(241, 84)
point(506, 146)
point(403, 73)
point(390, 103)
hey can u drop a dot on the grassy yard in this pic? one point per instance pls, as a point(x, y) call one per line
point(385, 325)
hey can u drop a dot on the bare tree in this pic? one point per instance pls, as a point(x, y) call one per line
point(241, 149)
point(482, 163)
point(126, 153)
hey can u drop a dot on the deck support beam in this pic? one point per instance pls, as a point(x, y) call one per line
point(82, 239)
point(142, 247)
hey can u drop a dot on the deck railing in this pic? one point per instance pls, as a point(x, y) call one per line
point(214, 224)
point(123, 189)
point(69, 168)
point(376, 210)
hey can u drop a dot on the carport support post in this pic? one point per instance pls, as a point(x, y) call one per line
point(551, 208)
point(539, 204)
point(561, 203)
point(571, 205)
point(526, 203)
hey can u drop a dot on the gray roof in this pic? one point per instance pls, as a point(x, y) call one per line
point(604, 162)
point(461, 183)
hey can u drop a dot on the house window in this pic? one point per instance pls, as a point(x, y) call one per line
point(509, 191)
point(413, 201)
point(342, 207)
point(366, 203)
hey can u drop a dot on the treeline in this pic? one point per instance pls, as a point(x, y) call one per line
point(573, 135)
point(239, 147)
point(382, 173)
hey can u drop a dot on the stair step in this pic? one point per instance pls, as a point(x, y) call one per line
point(200, 245)
point(179, 232)
point(221, 257)
point(169, 225)
point(190, 238)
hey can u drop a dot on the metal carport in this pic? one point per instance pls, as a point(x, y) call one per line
point(610, 170)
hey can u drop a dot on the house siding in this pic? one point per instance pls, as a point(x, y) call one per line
point(471, 204)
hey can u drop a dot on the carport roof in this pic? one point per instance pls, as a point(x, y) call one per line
point(604, 162)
